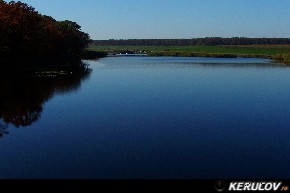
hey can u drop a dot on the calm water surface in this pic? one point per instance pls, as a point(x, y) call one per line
point(142, 117)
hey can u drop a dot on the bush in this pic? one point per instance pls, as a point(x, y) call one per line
point(87, 54)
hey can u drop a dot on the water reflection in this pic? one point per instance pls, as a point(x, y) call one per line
point(22, 96)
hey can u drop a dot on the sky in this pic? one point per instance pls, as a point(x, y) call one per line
point(167, 19)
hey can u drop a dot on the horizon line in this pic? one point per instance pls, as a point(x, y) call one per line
point(122, 39)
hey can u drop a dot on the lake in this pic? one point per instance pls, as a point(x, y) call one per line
point(149, 118)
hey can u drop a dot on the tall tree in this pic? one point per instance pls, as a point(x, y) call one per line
point(27, 35)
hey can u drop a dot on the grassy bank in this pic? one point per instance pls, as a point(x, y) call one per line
point(280, 53)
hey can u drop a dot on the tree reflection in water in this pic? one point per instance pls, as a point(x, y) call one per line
point(22, 96)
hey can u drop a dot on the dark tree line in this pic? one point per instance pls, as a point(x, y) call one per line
point(26, 35)
point(209, 41)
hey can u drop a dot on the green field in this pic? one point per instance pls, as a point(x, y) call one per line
point(279, 53)
point(256, 49)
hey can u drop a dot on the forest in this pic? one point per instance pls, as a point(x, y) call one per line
point(208, 41)
point(28, 38)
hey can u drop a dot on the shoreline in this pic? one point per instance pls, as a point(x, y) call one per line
point(277, 53)
point(281, 58)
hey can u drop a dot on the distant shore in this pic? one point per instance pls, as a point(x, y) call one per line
point(278, 53)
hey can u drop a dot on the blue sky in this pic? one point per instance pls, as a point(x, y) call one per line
point(130, 19)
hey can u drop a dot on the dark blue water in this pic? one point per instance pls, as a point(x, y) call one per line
point(150, 118)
